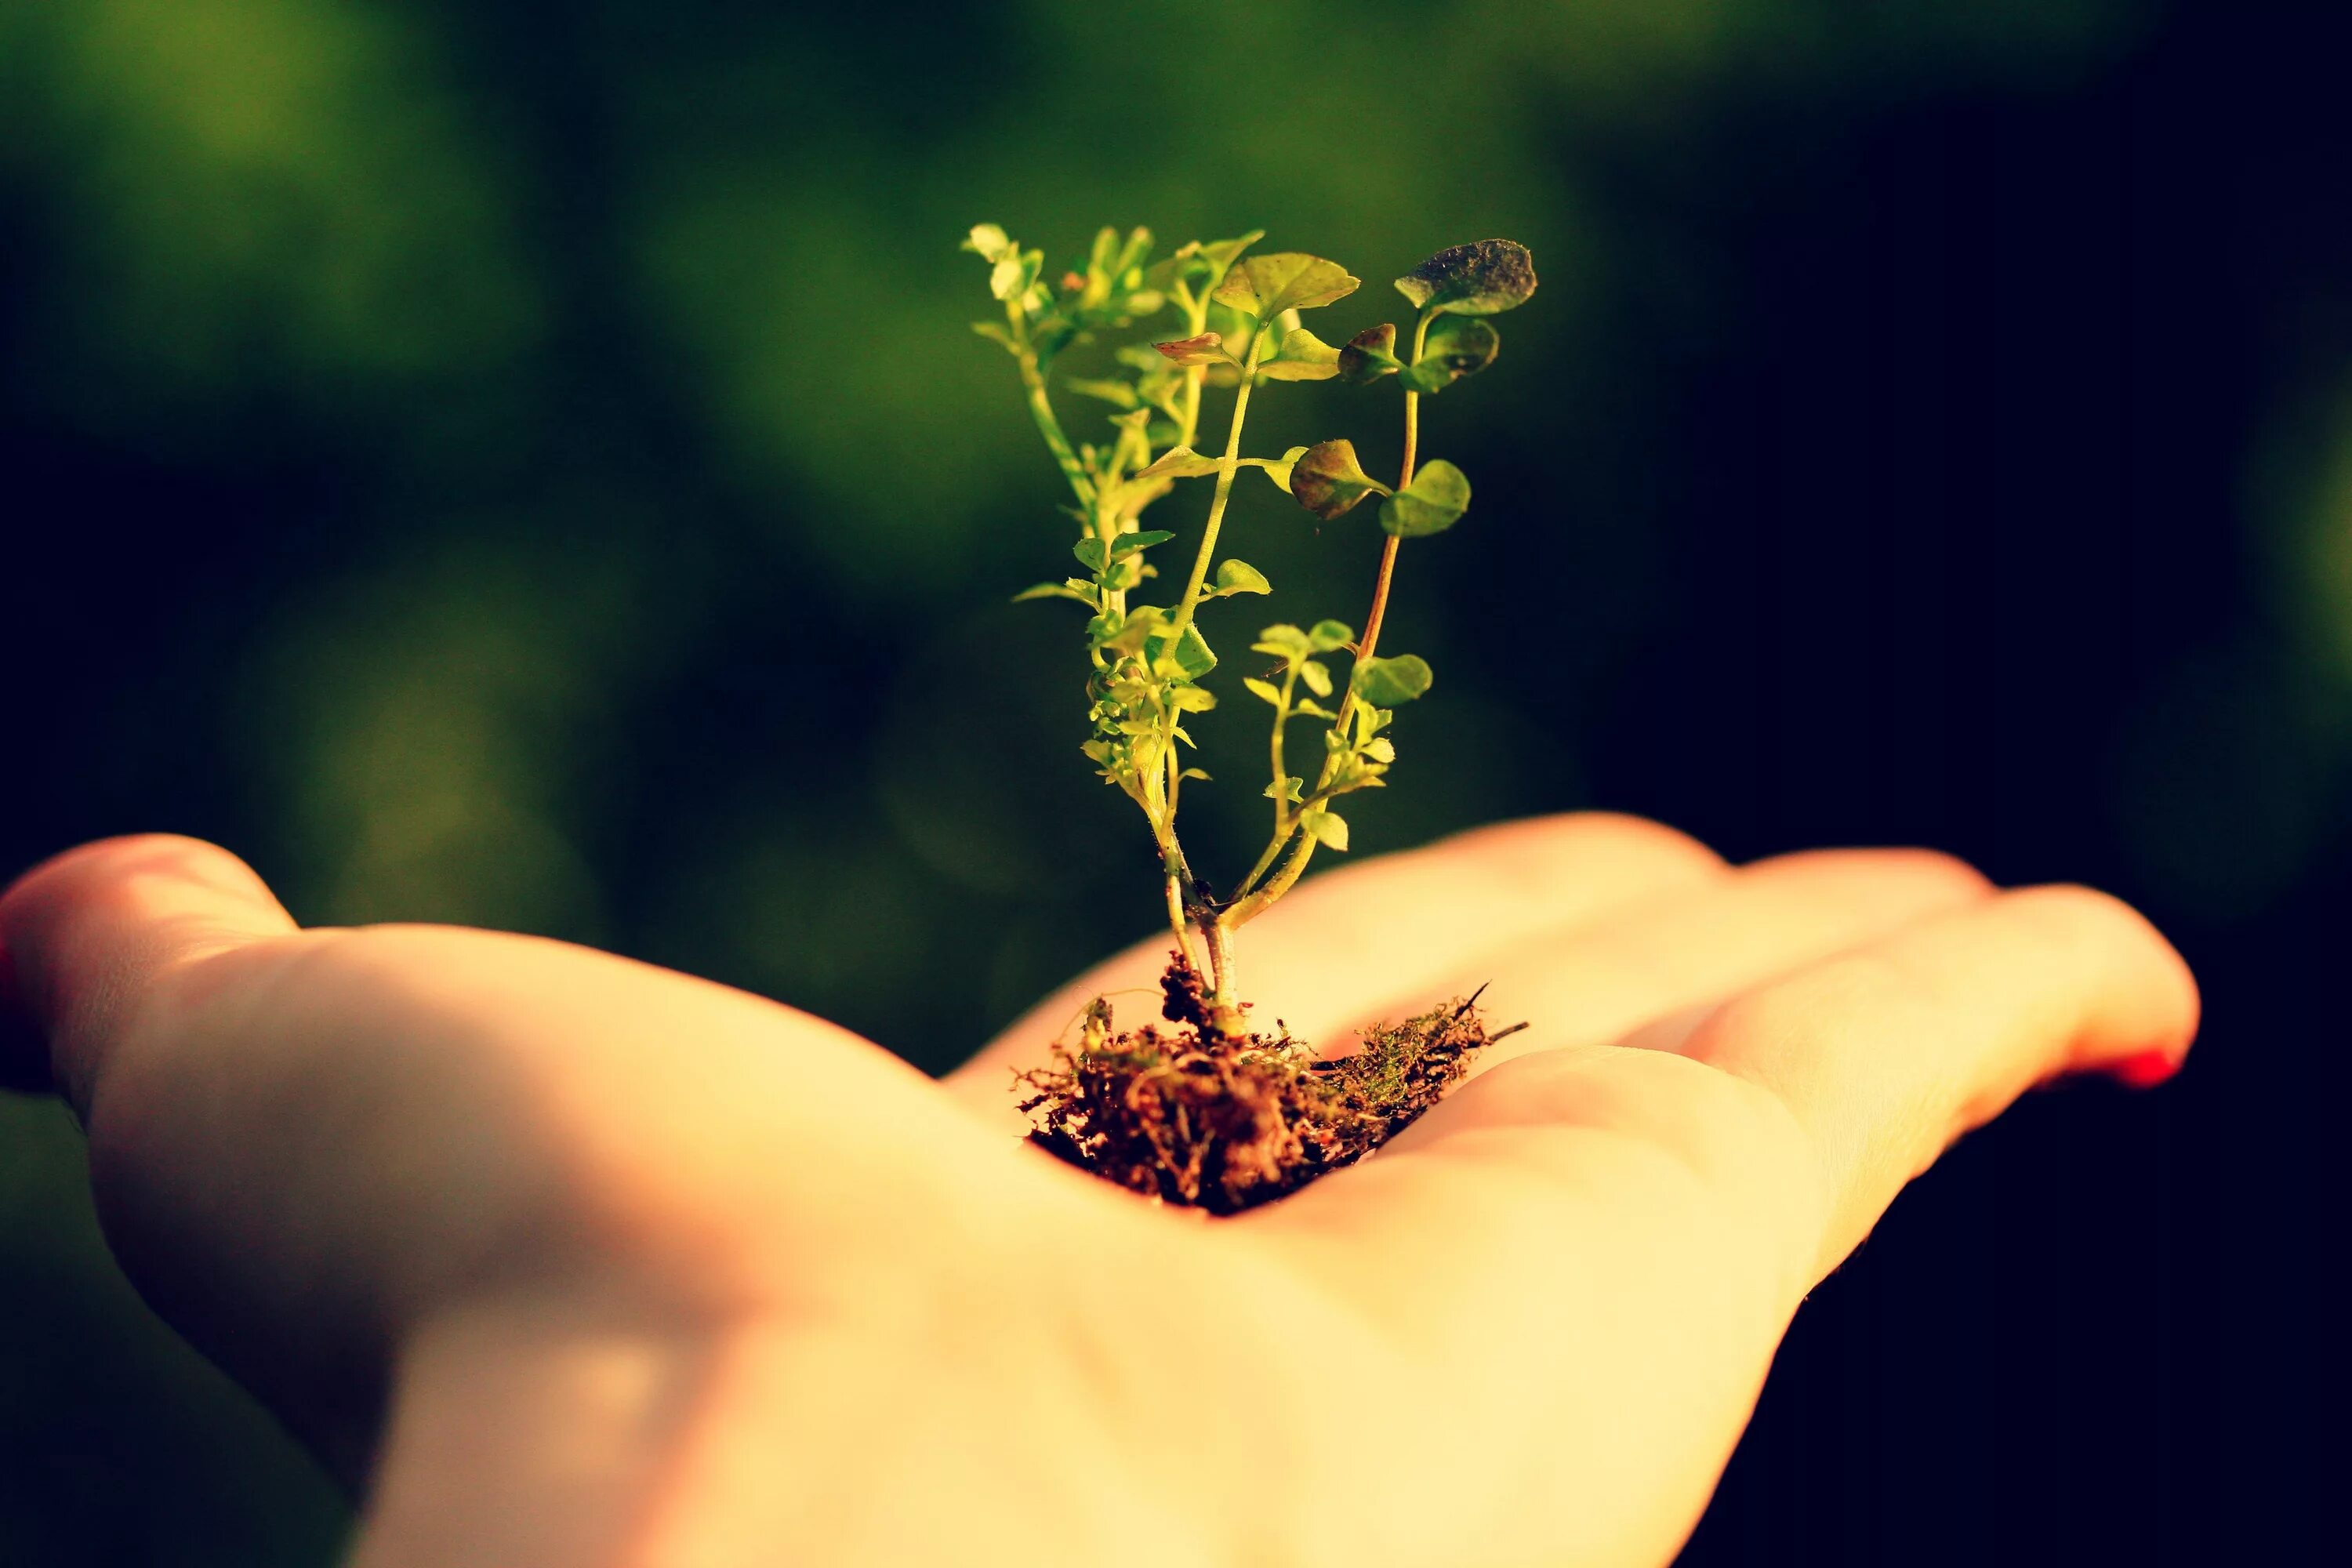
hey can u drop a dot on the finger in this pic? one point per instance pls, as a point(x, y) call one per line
point(1354, 941)
point(1634, 1226)
point(88, 934)
point(304, 1144)
point(1585, 990)
point(1889, 1054)
point(1592, 986)
point(1871, 1061)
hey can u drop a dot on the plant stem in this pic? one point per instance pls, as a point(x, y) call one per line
point(1179, 924)
point(1254, 903)
point(1223, 1011)
point(1041, 409)
point(1281, 722)
point(1227, 468)
point(1371, 640)
point(1282, 818)
point(1181, 895)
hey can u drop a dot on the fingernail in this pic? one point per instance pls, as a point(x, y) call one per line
point(2146, 1070)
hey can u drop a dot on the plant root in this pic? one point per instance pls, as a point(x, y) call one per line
point(1207, 1118)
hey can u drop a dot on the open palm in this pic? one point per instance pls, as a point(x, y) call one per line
point(565, 1260)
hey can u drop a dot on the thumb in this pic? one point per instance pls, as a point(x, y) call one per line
point(85, 938)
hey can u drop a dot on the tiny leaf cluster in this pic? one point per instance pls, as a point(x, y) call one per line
point(1220, 314)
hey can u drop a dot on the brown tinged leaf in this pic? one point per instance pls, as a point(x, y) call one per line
point(1369, 355)
point(1484, 277)
point(1209, 348)
point(1328, 480)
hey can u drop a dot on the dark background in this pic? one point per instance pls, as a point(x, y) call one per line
point(533, 471)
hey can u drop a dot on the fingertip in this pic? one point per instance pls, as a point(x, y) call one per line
point(87, 931)
point(2156, 1006)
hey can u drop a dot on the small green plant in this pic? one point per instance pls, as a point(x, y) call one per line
point(1230, 320)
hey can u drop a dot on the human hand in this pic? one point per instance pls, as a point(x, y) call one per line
point(561, 1260)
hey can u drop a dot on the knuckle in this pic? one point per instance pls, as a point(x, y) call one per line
point(1934, 872)
point(1939, 867)
point(2073, 907)
point(2069, 917)
point(1538, 846)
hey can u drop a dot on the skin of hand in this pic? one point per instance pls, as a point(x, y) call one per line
point(561, 1260)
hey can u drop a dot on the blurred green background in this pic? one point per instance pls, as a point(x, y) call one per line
point(530, 468)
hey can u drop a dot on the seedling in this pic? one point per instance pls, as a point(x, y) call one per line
point(1214, 1114)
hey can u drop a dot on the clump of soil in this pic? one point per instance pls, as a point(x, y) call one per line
point(1198, 1116)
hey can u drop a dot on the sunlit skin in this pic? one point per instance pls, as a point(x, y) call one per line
point(564, 1261)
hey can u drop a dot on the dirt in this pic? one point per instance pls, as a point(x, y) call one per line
point(1201, 1117)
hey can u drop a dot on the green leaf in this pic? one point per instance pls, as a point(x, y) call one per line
point(1239, 577)
point(1313, 709)
point(1327, 827)
point(1265, 691)
point(1285, 789)
point(1279, 469)
point(1189, 658)
point(1058, 591)
point(1484, 278)
point(1433, 503)
point(1329, 637)
point(1282, 641)
point(1302, 356)
point(1457, 346)
point(994, 331)
point(1266, 286)
point(1129, 543)
point(1207, 349)
point(1317, 675)
point(1015, 273)
point(1328, 480)
point(1370, 355)
point(1386, 682)
point(1221, 254)
point(989, 240)
point(1207, 259)
point(1235, 327)
point(1118, 391)
point(1179, 463)
point(1466, 343)
point(1130, 634)
point(1380, 749)
point(1191, 699)
point(1130, 259)
point(1092, 553)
